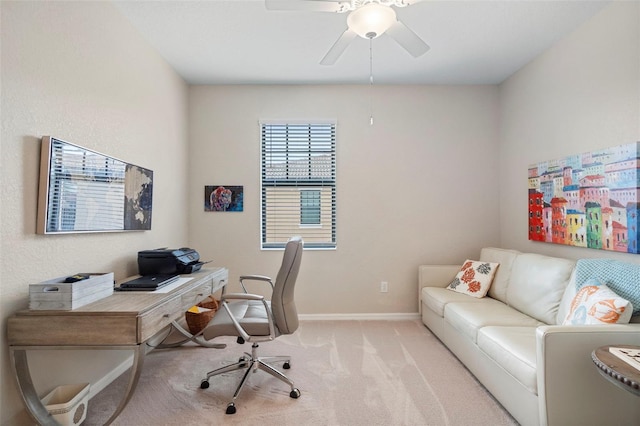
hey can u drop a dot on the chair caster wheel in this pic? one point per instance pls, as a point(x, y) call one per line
point(231, 408)
point(286, 365)
point(295, 393)
point(204, 384)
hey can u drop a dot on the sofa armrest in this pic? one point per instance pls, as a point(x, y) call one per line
point(435, 276)
point(571, 390)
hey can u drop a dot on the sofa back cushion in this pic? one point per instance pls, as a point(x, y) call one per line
point(505, 258)
point(537, 284)
point(567, 298)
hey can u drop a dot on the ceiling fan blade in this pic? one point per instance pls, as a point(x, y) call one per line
point(408, 39)
point(338, 48)
point(307, 5)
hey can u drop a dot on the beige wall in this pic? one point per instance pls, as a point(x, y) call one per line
point(583, 94)
point(80, 72)
point(418, 186)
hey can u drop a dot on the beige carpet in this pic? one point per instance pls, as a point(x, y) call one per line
point(349, 373)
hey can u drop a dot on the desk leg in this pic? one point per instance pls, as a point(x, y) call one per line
point(138, 359)
point(33, 403)
point(27, 390)
point(195, 338)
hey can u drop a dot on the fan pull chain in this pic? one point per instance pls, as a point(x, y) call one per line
point(371, 81)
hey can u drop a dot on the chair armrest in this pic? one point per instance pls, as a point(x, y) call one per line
point(255, 277)
point(262, 278)
point(234, 321)
point(570, 387)
point(241, 296)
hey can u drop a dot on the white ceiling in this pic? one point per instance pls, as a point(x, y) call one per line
point(240, 42)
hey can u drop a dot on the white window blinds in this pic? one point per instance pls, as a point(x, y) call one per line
point(298, 178)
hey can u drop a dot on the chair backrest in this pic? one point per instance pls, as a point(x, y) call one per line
point(283, 304)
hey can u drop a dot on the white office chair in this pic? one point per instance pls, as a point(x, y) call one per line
point(253, 318)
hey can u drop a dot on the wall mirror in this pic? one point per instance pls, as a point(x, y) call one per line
point(85, 191)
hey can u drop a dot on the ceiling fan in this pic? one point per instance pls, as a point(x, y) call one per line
point(368, 19)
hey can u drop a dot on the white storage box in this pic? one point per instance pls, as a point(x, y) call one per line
point(55, 294)
point(68, 403)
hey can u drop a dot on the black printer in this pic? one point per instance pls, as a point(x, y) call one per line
point(168, 261)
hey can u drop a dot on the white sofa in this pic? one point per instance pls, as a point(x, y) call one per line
point(512, 341)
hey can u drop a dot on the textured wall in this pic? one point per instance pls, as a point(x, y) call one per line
point(80, 72)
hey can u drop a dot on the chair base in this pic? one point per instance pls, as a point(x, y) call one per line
point(252, 363)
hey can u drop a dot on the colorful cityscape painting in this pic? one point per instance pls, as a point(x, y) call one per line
point(587, 200)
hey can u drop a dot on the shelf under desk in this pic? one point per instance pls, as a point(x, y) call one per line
point(124, 320)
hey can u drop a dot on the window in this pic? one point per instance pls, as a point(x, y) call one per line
point(298, 177)
point(310, 207)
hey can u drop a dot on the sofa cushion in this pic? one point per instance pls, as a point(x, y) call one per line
point(537, 284)
point(514, 349)
point(567, 299)
point(596, 303)
point(468, 318)
point(474, 278)
point(505, 258)
point(435, 298)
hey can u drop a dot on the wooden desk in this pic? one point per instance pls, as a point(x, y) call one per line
point(124, 320)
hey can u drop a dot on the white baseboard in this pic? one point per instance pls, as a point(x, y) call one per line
point(359, 317)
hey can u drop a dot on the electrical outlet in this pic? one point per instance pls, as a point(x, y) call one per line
point(384, 287)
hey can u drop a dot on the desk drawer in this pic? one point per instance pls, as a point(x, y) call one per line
point(196, 294)
point(220, 281)
point(156, 319)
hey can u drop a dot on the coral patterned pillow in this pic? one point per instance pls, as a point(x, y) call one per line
point(596, 303)
point(475, 278)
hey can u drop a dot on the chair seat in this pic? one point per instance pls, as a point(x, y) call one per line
point(249, 313)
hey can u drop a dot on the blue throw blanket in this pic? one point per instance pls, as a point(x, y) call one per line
point(622, 278)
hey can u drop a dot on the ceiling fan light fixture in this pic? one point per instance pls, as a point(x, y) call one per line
point(371, 20)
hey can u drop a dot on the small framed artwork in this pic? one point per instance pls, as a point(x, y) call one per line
point(223, 198)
